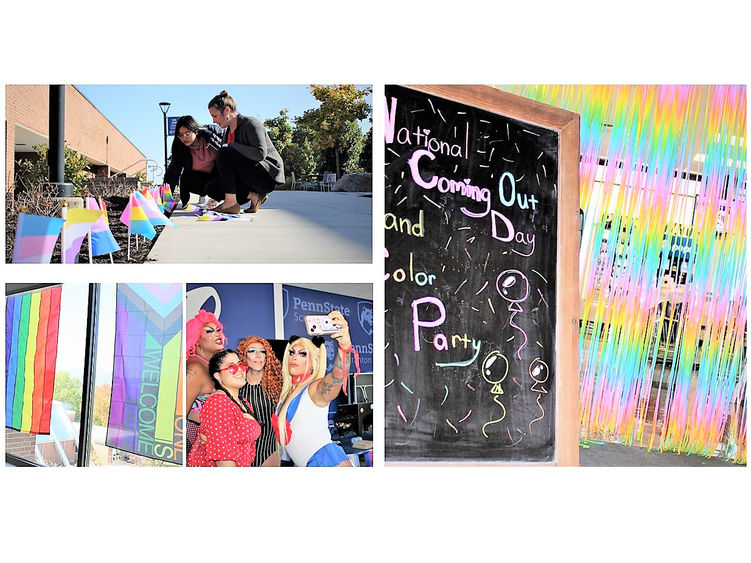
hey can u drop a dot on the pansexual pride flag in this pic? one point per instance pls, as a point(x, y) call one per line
point(31, 331)
point(36, 237)
point(145, 410)
point(135, 217)
point(152, 210)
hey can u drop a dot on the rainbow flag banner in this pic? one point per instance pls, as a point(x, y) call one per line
point(31, 332)
point(36, 237)
point(145, 410)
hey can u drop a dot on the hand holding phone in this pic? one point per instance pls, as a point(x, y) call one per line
point(320, 325)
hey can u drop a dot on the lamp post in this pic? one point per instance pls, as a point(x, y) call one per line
point(164, 106)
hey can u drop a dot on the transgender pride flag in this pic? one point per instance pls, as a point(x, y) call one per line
point(146, 407)
point(36, 237)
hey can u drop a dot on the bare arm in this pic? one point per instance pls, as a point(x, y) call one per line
point(225, 463)
point(327, 389)
point(197, 382)
point(272, 460)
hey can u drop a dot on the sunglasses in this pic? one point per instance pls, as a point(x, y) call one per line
point(233, 368)
point(255, 351)
point(301, 353)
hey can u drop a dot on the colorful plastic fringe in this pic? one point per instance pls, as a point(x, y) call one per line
point(662, 264)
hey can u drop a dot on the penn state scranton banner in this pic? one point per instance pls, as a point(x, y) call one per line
point(299, 302)
point(146, 407)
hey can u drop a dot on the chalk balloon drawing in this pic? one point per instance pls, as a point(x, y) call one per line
point(470, 232)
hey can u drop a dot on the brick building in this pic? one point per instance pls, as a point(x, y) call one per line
point(87, 131)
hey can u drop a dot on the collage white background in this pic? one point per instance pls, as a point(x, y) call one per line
point(400, 514)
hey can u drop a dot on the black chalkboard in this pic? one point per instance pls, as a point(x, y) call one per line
point(470, 287)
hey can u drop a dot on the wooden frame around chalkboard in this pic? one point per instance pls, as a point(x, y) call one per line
point(566, 124)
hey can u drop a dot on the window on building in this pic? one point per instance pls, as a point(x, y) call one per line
point(60, 447)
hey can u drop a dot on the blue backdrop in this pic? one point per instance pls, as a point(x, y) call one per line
point(244, 309)
point(299, 302)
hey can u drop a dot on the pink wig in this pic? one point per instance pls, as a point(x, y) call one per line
point(194, 327)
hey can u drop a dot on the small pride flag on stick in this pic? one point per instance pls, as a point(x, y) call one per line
point(101, 240)
point(78, 223)
point(36, 237)
point(138, 223)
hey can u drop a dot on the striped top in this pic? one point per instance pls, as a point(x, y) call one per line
point(263, 409)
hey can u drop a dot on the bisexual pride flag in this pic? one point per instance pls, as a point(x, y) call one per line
point(31, 332)
point(36, 237)
point(145, 410)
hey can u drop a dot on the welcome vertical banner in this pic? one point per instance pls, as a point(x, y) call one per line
point(146, 406)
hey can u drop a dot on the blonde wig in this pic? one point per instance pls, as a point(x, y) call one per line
point(317, 357)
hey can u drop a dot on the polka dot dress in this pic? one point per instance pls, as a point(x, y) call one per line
point(229, 435)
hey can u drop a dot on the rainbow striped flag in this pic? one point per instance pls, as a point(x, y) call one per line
point(102, 241)
point(31, 330)
point(78, 223)
point(135, 217)
point(36, 237)
point(145, 410)
point(167, 193)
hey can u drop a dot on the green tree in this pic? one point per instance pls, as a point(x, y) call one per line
point(280, 130)
point(301, 155)
point(366, 155)
point(102, 398)
point(32, 173)
point(68, 390)
point(341, 105)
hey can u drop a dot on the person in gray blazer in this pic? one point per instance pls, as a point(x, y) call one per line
point(249, 166)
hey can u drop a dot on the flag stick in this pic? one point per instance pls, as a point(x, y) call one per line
point(91, 259)
point(63, 214)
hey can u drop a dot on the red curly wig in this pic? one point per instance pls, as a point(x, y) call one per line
point(271, 382)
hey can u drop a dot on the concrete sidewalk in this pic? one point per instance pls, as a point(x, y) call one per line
point(291, 227)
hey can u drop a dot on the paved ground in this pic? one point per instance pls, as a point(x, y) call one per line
point(291, 227)
point(616, 455)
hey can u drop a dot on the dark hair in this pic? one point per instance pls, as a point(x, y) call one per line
point(188, 122)
point(215, 366)
point(223, 100)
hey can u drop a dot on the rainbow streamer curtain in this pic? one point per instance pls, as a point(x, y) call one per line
point(146, 407)
point(662, 264)
point(31, 331)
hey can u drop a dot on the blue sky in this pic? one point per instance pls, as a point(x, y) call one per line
point(134, 109)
